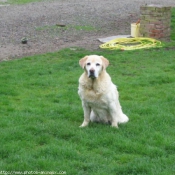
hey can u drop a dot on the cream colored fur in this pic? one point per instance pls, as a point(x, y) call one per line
point(100, 98)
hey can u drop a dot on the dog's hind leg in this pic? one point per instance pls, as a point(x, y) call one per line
point(94, 117)
point(123, 119)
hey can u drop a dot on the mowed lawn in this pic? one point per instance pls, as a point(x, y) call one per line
point(20, 1)
point(40, 114)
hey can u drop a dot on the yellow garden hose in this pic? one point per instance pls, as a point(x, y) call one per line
point(131, 43)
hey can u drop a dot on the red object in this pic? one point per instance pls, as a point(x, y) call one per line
point(138, 22)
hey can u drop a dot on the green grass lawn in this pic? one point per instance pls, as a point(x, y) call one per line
point(40, 114)
point(22, 1)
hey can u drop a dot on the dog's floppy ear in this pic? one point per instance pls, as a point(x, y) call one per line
point(105, 62)
point(83, 61)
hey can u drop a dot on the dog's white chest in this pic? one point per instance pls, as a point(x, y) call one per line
point(93, 98)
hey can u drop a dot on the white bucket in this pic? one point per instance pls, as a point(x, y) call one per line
point(135, 29)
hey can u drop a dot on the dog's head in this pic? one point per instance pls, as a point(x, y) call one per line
point(94, 65)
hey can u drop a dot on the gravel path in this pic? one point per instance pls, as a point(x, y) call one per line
point(84, 20)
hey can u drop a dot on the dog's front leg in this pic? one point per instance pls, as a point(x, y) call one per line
point(87, 111)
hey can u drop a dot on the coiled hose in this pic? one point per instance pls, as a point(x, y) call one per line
point(131, 43)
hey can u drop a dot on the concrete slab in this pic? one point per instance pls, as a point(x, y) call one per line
point(104, 40)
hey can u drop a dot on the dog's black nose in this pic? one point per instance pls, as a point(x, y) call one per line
point(92, 71)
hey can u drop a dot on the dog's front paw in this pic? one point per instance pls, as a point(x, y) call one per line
point(114, 125)
point(84, 124)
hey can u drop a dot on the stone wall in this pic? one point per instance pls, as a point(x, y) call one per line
point(155, 21)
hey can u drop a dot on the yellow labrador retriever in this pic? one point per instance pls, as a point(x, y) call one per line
point(100, 98)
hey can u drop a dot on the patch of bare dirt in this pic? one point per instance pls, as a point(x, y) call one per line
point(85, 21)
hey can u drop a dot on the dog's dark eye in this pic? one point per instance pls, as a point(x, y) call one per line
point(88, 64)
point(97, 64)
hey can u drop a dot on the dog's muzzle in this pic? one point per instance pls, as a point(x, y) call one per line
point(92, 73)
